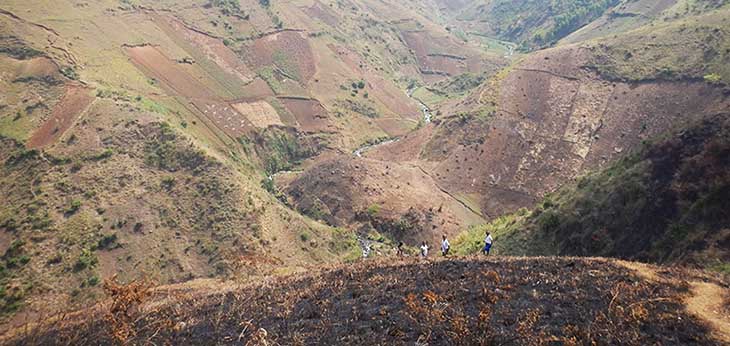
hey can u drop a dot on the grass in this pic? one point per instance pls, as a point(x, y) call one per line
point(429, 97)
point(17, 126)
point(630, 209)
point(471, 241)
point(624, 57)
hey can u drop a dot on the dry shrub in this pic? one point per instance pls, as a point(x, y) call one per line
point(125, 302)
point(492, 276)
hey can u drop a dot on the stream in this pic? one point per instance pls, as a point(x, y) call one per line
point(426, 118)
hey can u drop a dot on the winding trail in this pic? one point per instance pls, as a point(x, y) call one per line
point(707, 300)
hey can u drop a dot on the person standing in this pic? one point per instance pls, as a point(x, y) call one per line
point(424, 249)
point(445, 246)
point(487, 243)
point(399, 249)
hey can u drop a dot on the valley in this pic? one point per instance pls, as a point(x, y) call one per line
point(184, 151)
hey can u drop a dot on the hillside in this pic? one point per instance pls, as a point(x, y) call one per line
point(551, 117)
point(413, 301)
point(666, 202)
point(201, 140)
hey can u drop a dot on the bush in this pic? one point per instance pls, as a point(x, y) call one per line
point(373, 210)
point(713, 78)
point(74, 207)
point(167, 182)
point(107, 241)
point(86, 259)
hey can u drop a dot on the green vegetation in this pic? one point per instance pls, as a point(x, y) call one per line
point(535, 24)
point(358, 107)
point(472, 240)
point(86, 259)
point(227, 7)
point(344, 243)
point(73, 207)
point(625, 57)
point(105, 154)
point(108, 242)
point(165, 151)
point(69, 72)
point(167, 182)
point(373, 210)
point(279, 148)
point(12, 262)
point(286, 66)
point(268, 75)
point(460, 84)
point(713, 78)
point(663, 203)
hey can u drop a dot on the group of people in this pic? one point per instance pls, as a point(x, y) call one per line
point(445, 246)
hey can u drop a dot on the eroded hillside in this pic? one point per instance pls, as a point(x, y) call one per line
point(553, 116)
point(186, 139)
point(665, 202)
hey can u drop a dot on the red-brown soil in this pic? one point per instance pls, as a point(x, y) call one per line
point(288, 44)
point(212, 48)
point(65, 112)
point(322, 13)
point(457, 301)
point(310, 114)
point(554, 120)
point(155, 64)
point(378, 87)
point(343, 187)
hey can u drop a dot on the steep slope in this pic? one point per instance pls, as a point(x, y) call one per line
point(555, 115)
point(666, 202)
point(511, 301)
point(529, 23)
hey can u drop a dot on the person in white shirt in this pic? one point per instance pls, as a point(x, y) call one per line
point(487, 243)
point(424, 249)
point(445, 246)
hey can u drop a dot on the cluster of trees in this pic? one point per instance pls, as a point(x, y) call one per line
point(538, 23)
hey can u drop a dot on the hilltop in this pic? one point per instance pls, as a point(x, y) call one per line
point(507, 301)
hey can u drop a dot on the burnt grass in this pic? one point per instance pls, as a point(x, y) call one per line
point(459, 301)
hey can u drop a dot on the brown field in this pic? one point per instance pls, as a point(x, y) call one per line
point(259, 113)
point(289, 44)
point(40, 67)
point(322, 13)
point(156, 64)
point(212, 48)
point(65, 112)
point(257, 89)
point(310, 114)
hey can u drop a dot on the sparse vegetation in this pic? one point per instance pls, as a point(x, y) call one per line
point(632, 209)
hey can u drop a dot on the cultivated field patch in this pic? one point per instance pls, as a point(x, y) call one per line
point(259, 113)
point(309, 113)
point(65, 112)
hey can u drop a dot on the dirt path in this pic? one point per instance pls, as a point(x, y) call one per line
point(706, 301)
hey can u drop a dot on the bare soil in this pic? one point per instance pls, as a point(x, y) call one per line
point(65, 112)
point(310, 114)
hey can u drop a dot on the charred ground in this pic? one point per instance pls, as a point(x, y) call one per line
point(504, 301)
